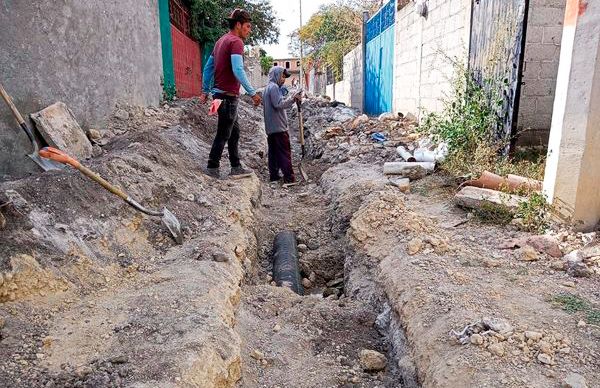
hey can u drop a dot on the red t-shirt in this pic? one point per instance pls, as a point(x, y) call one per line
point(228, 45)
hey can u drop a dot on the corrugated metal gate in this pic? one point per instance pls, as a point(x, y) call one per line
point(379, 60)
point(498, 31)
point(187, 59)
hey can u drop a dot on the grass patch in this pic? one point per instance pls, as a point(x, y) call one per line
point(574, 304)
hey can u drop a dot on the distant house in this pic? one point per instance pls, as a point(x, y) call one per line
point(293, 66)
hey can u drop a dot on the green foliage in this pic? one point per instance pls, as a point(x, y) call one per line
point(534, 213)
point(330, 34)
point(266, 62)
point(169, 91)
point(468, 124)
point(494, 214)
point(574, 304)
point(208, 20)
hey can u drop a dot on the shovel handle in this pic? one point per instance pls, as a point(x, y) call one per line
point(11, 105)
point(61, 157)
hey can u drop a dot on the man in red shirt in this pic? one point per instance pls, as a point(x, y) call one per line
point(222, 77)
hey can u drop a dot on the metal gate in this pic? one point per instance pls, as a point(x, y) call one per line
point(187, 60)
point(496, 51)
point(379, 60)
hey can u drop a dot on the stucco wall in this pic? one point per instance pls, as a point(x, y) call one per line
point(425, 49)
point(542, 53)
point(350, 89)
point(88, 54)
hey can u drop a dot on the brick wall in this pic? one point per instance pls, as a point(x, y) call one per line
point(542, 54)
point(424, 53)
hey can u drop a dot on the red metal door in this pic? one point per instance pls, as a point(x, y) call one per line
point(187, 63)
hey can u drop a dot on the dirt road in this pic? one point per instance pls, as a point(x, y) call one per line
point(95, 295)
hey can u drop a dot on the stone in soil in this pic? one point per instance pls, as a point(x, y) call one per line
point(414, 246)
point(372, 361)
point(497, 349)
point(574, 380)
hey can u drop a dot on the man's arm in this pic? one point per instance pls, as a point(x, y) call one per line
point(208, 75)
point(237, 64)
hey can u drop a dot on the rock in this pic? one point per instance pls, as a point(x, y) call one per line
point(220, 257)
point(372, 361)
point(2, 323)
point(546, 348)
point(306, 283)
point(497, 349)
point(499, 325)
point(122, 114)
point(277, 328)
point(257, 355)
point(574, 380)
point(403, 184)
point(302, 248)
point(335, 282)
point(477, 198)
point(191, 197)
point(414, 246)
point(94, 134)
point(476, 339)
point(2, 221)
point(545, 244)
point(331, 291)
point(578, 269)
point(312, 277)
point(58, 127)
point(533, 335)
point(388, 116)
point(122, 359)
point(411, 170)
point(97, 150)
point(581, 324)
point(359, 121)
point(528, 253)
point(545, 359)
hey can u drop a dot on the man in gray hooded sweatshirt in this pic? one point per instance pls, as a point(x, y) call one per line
point(276, 124)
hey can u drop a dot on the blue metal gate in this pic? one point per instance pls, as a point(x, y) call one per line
point(379, 60)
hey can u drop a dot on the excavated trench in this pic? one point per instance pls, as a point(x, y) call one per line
point(316, 340)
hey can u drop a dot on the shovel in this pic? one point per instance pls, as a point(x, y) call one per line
point(168, 218)
point(301, 136)
point(45, 164)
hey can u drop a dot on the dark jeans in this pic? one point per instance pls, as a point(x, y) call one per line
point(280, 157)
point(228, 132)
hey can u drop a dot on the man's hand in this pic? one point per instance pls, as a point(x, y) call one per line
point(203, 98)
point(257, 99)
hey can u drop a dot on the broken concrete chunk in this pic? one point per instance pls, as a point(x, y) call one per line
point(574, 380)
point(411, 170)
point(477, 198)
point(403, 184)
point(59, 128)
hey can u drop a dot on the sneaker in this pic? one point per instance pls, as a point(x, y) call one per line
point(213, 172)
point(240, 172)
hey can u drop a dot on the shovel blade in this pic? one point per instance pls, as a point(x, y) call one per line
point(172, 223)
point(45, 164)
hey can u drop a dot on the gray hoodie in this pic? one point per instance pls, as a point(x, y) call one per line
point(275, 104)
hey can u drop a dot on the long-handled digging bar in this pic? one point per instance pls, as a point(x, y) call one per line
point(168, 218)
point(45, 164)
point(301, 138)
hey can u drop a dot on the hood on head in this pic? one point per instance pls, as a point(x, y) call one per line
point(275, 73)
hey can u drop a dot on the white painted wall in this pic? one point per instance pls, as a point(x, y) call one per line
point(350, 89)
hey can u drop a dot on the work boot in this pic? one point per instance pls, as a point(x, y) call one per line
point(240, 172)
point(213, 172)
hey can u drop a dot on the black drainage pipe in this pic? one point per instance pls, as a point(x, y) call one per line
point(286, 270)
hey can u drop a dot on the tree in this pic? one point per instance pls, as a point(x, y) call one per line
point(208, 20)
point(332, 32)
point(266, 62)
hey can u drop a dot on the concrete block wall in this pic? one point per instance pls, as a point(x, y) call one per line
point(540, 68)
point(87, 54)
point(350, 89)
point(425, 51)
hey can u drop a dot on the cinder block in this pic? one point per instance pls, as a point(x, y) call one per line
point(541, 52)
point(539, 88)
point(553, 35)
point(535, 34)
point(549, 70)
point(546, 16)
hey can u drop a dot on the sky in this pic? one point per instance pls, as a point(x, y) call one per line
point(288, 11)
